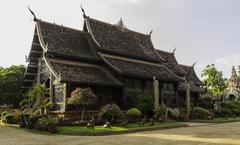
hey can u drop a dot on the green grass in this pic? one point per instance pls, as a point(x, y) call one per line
point(82, 129)
point(78, 130)
point(217, 120)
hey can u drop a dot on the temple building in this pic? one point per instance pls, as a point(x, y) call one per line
point(115, 62)
point(233, 89)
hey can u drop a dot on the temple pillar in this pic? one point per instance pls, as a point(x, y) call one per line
point(64, 97)
point(188, 107)
point(156, 93)
point(177, 99)
point(51, 87)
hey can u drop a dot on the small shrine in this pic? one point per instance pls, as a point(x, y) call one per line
point(233, 89)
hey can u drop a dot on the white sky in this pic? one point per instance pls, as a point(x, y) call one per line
point(205, 31)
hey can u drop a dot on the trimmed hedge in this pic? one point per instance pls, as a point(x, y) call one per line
point(133, 114)
point(200, 113)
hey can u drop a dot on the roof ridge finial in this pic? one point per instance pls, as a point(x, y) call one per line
point(174, 50)
point(83, 11)
point(120, 23)
point(194, 64)
point(150, 33)
point(34, 16)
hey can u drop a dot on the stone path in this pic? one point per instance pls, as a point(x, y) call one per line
point(212, 134)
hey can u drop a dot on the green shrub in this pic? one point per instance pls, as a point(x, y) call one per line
point(235, 112)
point(47, 124)
point(231, 108)
point(2, 117)
point(9, 119)
point(160, 112)
point(3, 120)
point(223, 112)
point(16, 115)
point(199, 113)
point(134, 113)
point(24, 120)
point(230, 105)
point(173, 113)
point(110, 112)
point(4, 113)
point(144, 102)
point(34, 119)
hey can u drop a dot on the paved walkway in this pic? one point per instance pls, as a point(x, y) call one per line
point(212, 134)
point(194, 124)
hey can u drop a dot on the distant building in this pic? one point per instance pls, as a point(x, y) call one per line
point(233, 89)
point(114, 61)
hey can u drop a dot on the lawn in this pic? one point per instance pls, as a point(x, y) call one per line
point(99, 130)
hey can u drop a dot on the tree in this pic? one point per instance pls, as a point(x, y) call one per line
point(10, 84)
point(214, 81)
point(144, 102)
point(37, 98)
point(239, 72)
point(82, 97)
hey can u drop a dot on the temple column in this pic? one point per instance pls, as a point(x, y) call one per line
point(177, 99)
point(188, 107)
point(51, 87)
point(64, 97)
point(156, 93)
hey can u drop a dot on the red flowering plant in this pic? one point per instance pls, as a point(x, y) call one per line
point(82, 98)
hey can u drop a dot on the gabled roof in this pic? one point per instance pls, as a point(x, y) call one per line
point(66, 42)
point(83, 73)
point(138, 68)
point(121, 41)
point(192, 74)
point(171, 62)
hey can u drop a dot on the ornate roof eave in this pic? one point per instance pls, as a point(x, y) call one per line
point(37, 27)
point(40, 37)
point(191, 70)
point(179, 79)
point(182, 79)
point(149, 35)
point(89, 30)
point(92, 84)
point(109, 64)
point(58, 77)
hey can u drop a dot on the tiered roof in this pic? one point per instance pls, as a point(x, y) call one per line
point(171, 62)
point(121, 41)
point(84, 73)
point(86, 56)
point(192, 75)
point(66, 42)
point(142, 69)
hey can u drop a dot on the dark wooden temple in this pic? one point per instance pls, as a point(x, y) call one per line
point(116, 62)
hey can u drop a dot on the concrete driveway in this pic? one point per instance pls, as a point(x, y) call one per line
point(209, 134)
